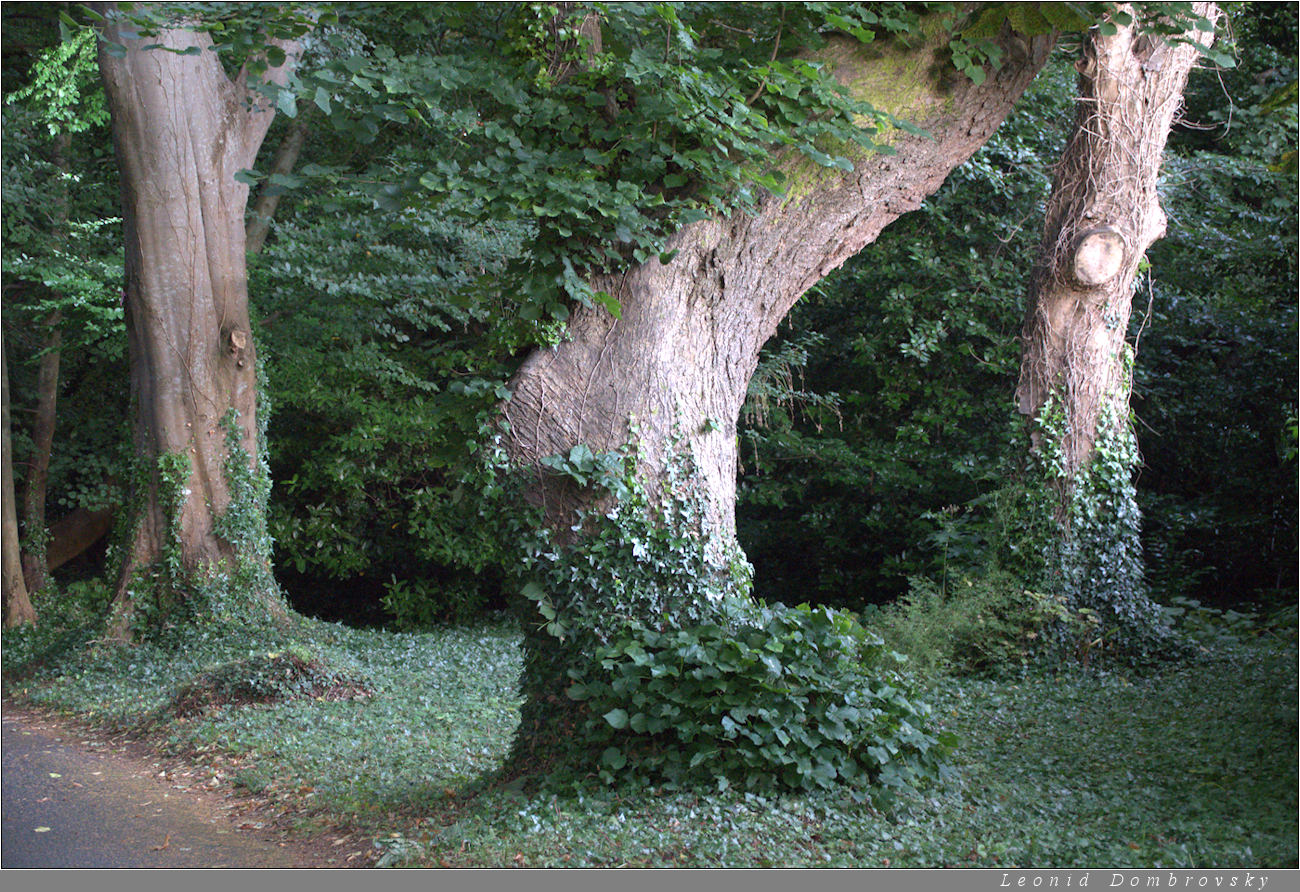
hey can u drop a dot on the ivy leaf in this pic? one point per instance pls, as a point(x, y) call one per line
point(609, 302)
point(614, 757)
point(617, 719)
point(287, 103)
point(322, 100)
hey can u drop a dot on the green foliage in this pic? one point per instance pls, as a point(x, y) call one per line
point(763, 697)
point(912, 349)
point(914, 341)
point(639, 559)
point(681, 114)
point(1183, 766)
point(977, 624)
point(243, 522)
point(71, 615)
point(62, 264)
point(415, 604)
point(64, 89)
point(388, 350)
point(1095, 557)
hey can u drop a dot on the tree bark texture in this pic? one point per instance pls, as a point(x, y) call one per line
point(17, 604)
point(182, 129)
point(679, 359)
point(1103, 214)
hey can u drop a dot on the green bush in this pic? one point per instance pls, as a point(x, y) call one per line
point(678, 673)
point(764, 696)
point(978, 624)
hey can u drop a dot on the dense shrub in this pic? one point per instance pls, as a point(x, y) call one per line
point(762, 696)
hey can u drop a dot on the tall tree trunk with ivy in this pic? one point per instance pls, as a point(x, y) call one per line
point(182, 128)
point(671, 371)
point(1076, 372)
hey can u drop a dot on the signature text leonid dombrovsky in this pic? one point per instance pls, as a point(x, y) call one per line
point(1134, 880)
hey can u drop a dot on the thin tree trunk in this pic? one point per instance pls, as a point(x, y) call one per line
point(17, 604)
point(47, 395)
point(259, 223)
point(182, 129)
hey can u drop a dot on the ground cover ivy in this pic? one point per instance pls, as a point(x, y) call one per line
point(1187, 764)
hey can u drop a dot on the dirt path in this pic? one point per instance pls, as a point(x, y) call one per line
point(74, 798)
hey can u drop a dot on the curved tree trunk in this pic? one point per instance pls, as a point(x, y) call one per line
point(17, 604)
point(675, 366)
point(182, 129)
point(679, 358)
point(1103, 214)
point(75, 532)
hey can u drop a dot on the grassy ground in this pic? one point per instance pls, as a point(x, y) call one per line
point(1189, 766)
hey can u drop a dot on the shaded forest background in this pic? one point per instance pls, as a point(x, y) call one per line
point(880, 447)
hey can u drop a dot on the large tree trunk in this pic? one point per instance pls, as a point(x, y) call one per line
point(182, 129)
point(17, 604)
point(1103, 214)
point(678, 361)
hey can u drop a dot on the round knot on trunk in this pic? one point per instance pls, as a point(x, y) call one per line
point(1098, 256)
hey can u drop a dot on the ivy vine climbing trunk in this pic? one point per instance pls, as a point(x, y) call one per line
point(182, 128)
point(1075, 380)
point(677, 360)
